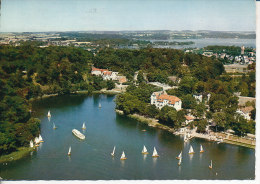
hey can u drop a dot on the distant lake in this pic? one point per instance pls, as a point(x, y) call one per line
point(91, 159)
point(200, 43)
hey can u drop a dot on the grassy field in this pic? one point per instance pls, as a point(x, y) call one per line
point(23, 151)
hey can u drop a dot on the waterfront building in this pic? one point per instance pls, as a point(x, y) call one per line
point(245, 112)
point(161, 98)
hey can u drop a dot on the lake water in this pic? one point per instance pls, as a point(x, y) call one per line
point(200, 43)
point(91, 159)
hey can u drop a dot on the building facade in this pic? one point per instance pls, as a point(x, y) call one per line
point(161, 98)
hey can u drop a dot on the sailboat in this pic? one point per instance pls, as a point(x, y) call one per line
point(201, 149)
point(99, 105)
point(179, 157)
point(40, 138)
point(84, 126)
point(31, 144)
point(69, 153)
point(123, 156)
point(179, 163)
point(191, 150)
point(36, 140)
point(210, 166)
point(54, 127)
point(155, 154)
point(144, 151)
point(113, 153)
point(49, 114)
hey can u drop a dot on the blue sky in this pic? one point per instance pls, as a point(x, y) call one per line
point(115, 15)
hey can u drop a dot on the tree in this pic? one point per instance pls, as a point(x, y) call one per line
point(201, 125)
point(140, 77)
point(110, 84)
point(220, 119)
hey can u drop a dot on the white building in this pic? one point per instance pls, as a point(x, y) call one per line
point(199, 97)
point(105, 74)
point(161, 98)
point(245, 112)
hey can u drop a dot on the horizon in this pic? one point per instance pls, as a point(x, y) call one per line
point(127, 31)
point(90, 15)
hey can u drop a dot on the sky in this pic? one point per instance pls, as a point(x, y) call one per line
point(118, 15)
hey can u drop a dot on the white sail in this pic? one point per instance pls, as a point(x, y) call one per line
point(99, 105)
point(84, 126)
point(210, 166)
point(180, 161)
point(40, 138)
point(113, 153)
point(180, 154)
point(54, 127)
point(49, 114)
point(31, 143)
point(123, 155)
point(144, 150)
point(191, 150)
point(155, 152)
point(36, 140)
point(201, 148)
point(69, 153)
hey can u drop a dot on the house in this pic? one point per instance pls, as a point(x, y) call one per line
point(245, 112)
point(105, 74)
point(97, 71)
point(121, 79)
point(200, 96)
point(189, 119)
point(161, 98)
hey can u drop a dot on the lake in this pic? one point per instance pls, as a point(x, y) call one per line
point(91, 159)
point(203, 42)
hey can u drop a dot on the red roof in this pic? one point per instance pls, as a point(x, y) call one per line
point(172, 99)
point(189, 117)
point(101, 70)
point(107, 72)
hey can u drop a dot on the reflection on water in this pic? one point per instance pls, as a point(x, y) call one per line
point(145, 155)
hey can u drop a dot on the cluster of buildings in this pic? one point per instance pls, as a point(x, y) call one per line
point(108, 75)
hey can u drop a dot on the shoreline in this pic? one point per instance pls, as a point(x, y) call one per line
point(154, 123)
point(108, 92)
point(17, 155)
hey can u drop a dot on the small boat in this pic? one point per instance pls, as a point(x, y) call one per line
point(54, 127)
point(201, 149)
point(144, 151)
point(84, 126)
point(123, 156)
point(179, 163)
point(113, 153)
point(69, 153)
point(191, 151)
point(78, 134)
point(40, 138)
point(210, 166)
point(31, 144)
point(179, 157)
point(144, 130)
point(155, 154)
point(49, 114)
point(99, 105)
point(36, 140)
